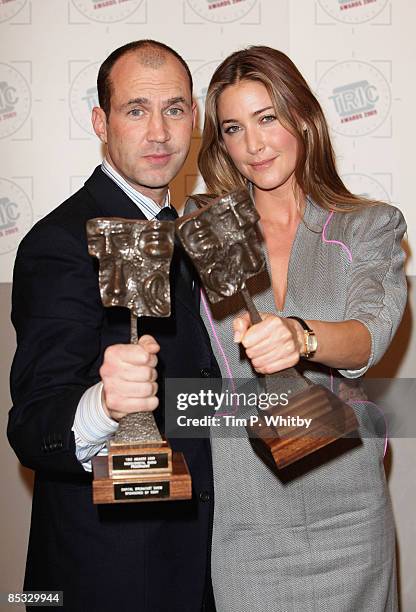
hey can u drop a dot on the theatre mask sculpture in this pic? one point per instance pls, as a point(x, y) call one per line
point(134, 258)
point(223, 243)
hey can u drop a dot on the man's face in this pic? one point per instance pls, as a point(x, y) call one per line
point(148, 131)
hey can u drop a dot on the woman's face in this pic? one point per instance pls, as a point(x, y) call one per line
point(261, 148)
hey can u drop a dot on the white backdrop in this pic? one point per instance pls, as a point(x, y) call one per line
point(357, 55)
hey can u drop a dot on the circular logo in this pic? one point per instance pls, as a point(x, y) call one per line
point(201, 78)
point(16, 215)
point(15, 100)
point(353, 11)
point(10, 8)
point(365, 186)
point(356, 98)
point(83, 96)
point(222, 11)
point(107, 11)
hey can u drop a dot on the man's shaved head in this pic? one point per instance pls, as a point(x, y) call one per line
point(150, 54)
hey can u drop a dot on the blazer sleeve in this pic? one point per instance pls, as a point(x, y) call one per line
point(377, 288)
point(57, 313)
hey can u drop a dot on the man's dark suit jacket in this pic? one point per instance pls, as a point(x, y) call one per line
point(125, 557)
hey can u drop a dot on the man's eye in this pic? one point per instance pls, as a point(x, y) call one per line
point(232, 129)
point(174, 111)
point(135, 112)
point(268, 118)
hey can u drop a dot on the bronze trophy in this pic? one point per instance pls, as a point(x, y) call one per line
point(134, 258)
point(222, 241)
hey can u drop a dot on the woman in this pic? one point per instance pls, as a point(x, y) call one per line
point(321, 538)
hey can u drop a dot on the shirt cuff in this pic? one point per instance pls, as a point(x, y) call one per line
point(91, 423)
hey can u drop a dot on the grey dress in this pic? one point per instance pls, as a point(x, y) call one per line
point(322, 540)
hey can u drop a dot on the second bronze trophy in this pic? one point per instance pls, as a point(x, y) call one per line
point(222, 240)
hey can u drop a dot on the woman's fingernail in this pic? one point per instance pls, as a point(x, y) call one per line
point(237, 336)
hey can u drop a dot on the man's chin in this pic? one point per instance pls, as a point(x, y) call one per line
point(156, 180)
point(149, 183)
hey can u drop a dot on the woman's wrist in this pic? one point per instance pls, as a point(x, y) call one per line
point(299, 335)
point(306, 337)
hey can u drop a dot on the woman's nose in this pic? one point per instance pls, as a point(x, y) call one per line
point(254, 142)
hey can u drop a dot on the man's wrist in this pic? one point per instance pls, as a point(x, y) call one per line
point(91, 424)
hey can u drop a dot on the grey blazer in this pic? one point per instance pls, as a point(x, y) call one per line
point(320, 538)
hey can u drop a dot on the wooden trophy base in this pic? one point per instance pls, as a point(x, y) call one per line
point(283, 445)
point(132, 473)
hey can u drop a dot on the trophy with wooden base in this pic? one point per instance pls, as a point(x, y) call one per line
point(221, 239)
point(134, 258)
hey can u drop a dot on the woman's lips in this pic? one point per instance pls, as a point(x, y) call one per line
point(262, 165)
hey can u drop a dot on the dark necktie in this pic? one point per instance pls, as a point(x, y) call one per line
point(168, 213)
point(181, 266)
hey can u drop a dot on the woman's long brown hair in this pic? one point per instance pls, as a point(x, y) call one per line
point(297, 110)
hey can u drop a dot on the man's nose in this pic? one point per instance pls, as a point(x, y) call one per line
point(157, 130)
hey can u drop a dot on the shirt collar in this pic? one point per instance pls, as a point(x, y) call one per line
point(148, 206)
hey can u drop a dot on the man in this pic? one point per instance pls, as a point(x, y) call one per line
point(75, 374)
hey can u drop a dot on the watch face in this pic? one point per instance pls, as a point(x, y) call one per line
point(311, 342)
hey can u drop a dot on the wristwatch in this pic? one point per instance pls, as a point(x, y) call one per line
point(311, 341)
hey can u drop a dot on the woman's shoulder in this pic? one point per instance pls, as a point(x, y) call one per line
point(376, 219)
point(367, 218)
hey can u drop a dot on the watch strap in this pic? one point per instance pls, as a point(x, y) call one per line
point(308, 333)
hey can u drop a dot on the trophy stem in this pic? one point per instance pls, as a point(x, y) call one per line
point(137, 426)
point(251, 307)
point(133, 328)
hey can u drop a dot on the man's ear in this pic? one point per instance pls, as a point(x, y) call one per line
point(194, 113)
point(99, 123)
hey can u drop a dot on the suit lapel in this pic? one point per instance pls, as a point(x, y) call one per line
point(111, 200)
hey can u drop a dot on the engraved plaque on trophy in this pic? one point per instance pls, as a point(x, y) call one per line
point(134, 260)
point(222, 241)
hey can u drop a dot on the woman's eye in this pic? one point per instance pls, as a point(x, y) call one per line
point(268, 118)
point(232, 129)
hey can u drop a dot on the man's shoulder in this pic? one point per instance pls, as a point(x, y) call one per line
point(69, 218)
